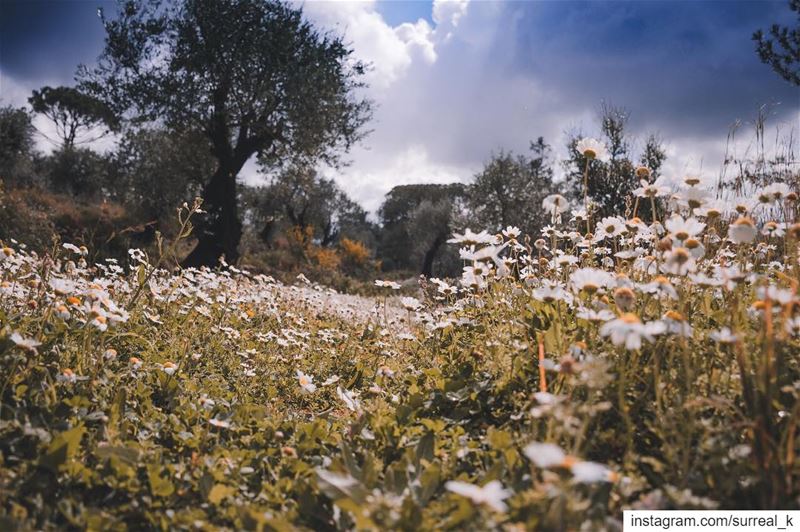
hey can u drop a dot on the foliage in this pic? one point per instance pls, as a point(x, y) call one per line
point(300, 197)
point(77, 116)
point(782, 50)
point(356, 258)
point(504, 192)
point(416, 220)
point(16, 144)
point(76, 171)
point(325, 258)
point(155, 169)
point(37, 217)
point(254, 77)
point(611, 182)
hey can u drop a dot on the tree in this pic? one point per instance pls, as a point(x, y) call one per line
point(510, 189)
point(417, 220)
point(782, 51)
point(76, 115)
point(429, 228)
point(76, 171)
point(252, 75)
point(653, 155)
point(299, 197)
point(16, 142)
point(611, 182)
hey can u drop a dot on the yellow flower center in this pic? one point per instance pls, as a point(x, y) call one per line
point(630, 318)
point(680, 255)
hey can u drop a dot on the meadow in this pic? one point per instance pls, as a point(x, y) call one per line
point(606, 364)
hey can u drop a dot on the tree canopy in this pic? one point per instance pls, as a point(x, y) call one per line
point(300, 197)
point(417, 220)
point(781, 50)
point(76, 115)
point(16, 140)
point(612, 182)
point(510, 189)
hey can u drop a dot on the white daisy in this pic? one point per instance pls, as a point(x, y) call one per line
point(742, 231)
point(28, 344)
point(306, 382)
point(628, 330)
point(590, 280)
point(592, 148)
point(683, 229)
point(492, 494)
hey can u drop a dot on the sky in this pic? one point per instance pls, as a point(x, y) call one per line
point(455, 81)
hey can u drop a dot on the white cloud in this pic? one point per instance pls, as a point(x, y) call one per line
point(445, 97)
point(447, 14)
point(368, 181)
point(389, 50)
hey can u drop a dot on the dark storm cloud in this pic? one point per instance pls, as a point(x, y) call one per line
point(680, 67)
point(47, 39)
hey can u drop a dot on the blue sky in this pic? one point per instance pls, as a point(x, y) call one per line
point(396, 12)
point(454, 81)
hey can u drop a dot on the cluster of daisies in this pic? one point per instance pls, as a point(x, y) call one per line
point(602, 269)
point(97, 300)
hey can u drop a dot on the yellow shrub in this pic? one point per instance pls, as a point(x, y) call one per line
point(327, 259)
point(354, 251)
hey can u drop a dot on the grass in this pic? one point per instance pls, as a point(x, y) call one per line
point(558, 385)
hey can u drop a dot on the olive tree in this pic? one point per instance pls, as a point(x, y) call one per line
point(510, 189)
point(253, 76)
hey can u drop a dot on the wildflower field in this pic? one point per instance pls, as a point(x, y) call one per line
point(604, 365)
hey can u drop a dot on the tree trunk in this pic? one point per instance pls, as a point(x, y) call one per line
point(430, 255)
point(220, 230)
point(266, 233)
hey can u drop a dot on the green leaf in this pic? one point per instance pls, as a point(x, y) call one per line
point(141, 275)
point(424, 450)
point(350, 462)
point(159, 486)
point(429, 483)
point(121, 452)
point(63, 447)
point(219, 493)
point(499, 439)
